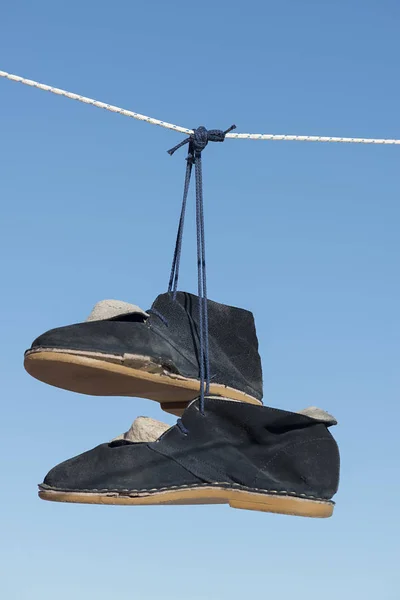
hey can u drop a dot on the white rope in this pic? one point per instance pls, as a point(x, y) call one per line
point(238, 136)
point(110, 107)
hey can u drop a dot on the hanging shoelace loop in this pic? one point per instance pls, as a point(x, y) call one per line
point(197, 141)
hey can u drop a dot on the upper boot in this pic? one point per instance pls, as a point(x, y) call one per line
point(125, 351)
point(249, 456)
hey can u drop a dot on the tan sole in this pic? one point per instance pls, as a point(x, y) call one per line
point(273, 503)
point(106, 375)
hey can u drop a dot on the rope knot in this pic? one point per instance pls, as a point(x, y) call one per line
point(200, 137)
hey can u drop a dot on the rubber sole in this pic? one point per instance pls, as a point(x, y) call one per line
point(263, 502)
point(98, 374)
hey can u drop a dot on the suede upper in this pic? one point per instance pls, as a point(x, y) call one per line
point(173, 340)
point(233, 443)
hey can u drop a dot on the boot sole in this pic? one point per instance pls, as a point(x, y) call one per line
point(97, 374)
point(264, 502)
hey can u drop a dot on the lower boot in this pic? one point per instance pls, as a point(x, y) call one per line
point(124, 351)
point(247, 456)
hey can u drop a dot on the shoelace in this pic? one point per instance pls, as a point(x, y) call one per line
point(155, 312)
point(197, 141)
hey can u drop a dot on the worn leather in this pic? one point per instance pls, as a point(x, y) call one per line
point(233, 443)
point(233, 344)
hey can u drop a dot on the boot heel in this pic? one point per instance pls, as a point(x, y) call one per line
point(284, 505)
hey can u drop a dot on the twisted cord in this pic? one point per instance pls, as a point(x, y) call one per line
point(166, 125)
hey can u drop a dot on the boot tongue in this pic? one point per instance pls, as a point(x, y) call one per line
point(109, 309)
point(143, 429)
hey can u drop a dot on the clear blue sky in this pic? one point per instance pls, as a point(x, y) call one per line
point(305, 235)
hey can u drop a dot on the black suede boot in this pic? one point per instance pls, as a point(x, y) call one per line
point(153, 355)
point(251, 457)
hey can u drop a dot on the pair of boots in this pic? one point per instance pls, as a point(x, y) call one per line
point(226, 447)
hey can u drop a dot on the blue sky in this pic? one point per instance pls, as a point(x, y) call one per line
point(305, 235)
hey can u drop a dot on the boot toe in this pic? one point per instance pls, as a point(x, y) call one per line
point(108, 337)
point(78, 473)
point(60, 337)
point(117, 466)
